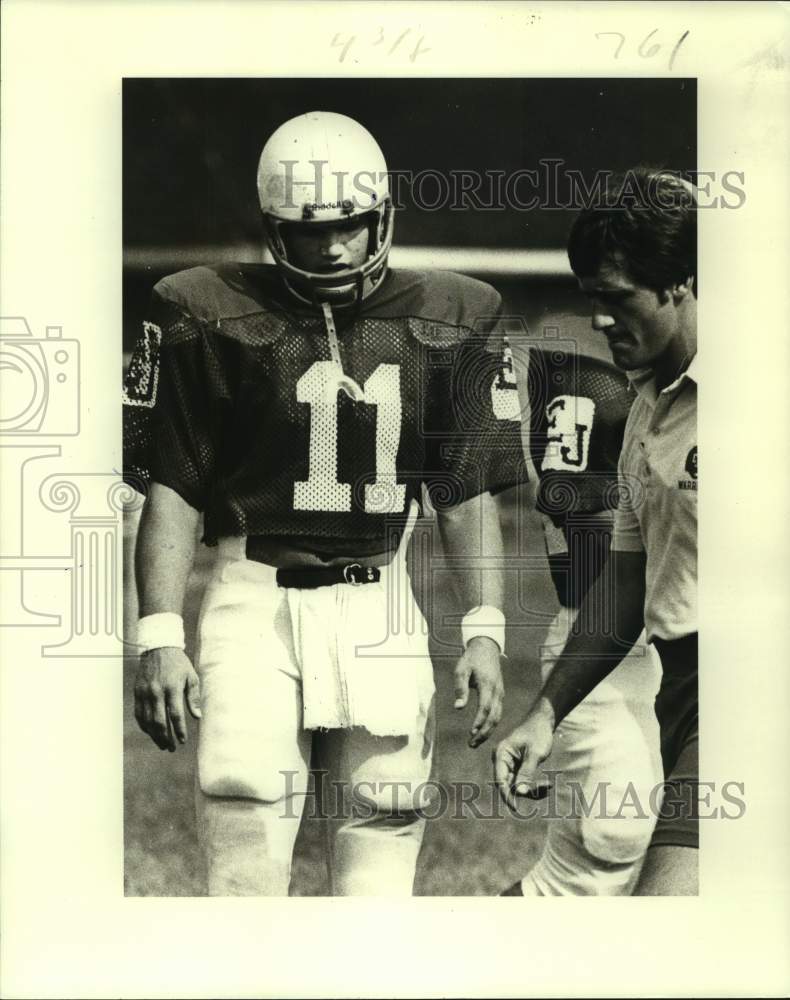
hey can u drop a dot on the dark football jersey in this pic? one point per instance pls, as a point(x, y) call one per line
point(578, 409)
point(231, 399)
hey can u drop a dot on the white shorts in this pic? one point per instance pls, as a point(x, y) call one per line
point(607, 758)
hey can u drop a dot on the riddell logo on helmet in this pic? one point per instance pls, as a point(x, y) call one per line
point(309, 209)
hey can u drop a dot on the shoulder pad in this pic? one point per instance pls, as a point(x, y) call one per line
point(219, 295)
point(444, 308)
point(555, 371)
point(557, 356)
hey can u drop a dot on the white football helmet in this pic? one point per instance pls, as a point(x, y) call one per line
point(323, 167)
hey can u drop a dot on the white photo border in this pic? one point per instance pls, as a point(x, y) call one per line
point(67, 929)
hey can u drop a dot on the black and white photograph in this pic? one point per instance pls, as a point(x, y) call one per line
point(344, 483)
point(354, 542)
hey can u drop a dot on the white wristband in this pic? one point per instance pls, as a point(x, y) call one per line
point(163, 629)
point(484, 620)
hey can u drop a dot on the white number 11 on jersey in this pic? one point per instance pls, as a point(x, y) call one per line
point(321, 490)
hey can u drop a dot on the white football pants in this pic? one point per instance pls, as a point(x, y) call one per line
point(256, 643)
point(608, 745)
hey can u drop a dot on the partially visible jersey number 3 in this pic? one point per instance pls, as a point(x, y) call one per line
point(570, 420)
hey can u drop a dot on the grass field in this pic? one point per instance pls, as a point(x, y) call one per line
point(462, 854)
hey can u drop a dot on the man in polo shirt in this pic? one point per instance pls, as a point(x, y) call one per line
point(635, 258)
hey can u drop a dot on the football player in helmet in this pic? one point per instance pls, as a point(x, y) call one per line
point(578, 409)
point(306, 410)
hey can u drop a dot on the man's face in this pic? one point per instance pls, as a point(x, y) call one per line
point(638, 322)
point(330, 248)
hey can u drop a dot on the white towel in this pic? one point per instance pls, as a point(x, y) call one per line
point(362, 653)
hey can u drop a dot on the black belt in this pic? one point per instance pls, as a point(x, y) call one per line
point(310, 577)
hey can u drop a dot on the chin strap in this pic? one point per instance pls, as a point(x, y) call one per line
point(343, 381)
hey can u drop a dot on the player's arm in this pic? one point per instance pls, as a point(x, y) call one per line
point(477, 453)
point(608, 625)
point(165, 551)
point(166, 679)
point(178, 450)
point(471, 531)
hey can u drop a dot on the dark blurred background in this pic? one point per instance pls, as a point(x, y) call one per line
point(191, 147)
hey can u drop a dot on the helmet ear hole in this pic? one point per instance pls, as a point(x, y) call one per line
point(271, 232)
point(374, 234)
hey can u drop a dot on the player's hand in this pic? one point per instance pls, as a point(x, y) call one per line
point(479, 668)
point(518, 757)
point(166, 681)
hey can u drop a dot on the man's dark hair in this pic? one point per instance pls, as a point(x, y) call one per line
point(646, 223)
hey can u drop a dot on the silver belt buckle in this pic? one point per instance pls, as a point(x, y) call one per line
point(348, 574)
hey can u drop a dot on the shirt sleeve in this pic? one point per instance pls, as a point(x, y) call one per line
point(171, 417)
point(627, 532)
point(475, 430)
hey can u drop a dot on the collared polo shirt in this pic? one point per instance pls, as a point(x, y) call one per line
point(658, 499)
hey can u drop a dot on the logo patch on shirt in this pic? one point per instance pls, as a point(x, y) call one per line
point(691, 469)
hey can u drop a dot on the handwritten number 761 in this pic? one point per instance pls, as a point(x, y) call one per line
point(645, 51)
